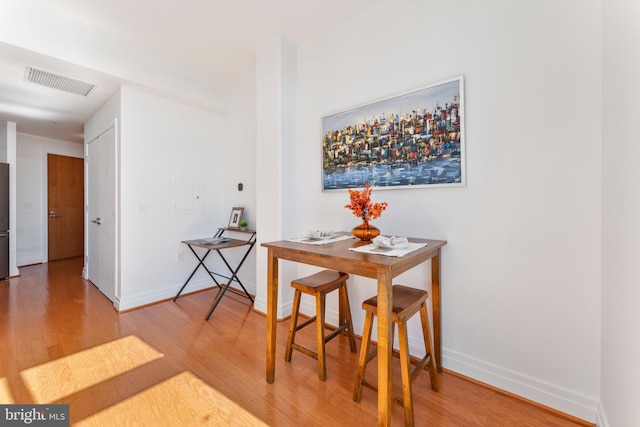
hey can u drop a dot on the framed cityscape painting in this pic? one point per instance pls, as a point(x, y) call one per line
point(414, 139)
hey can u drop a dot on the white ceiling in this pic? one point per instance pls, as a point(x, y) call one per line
point(218, 37)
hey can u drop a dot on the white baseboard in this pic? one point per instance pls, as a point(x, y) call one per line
point(601, 417)
point(559, 398)
point(28, 260)
point(145, 298)
point(284, 310)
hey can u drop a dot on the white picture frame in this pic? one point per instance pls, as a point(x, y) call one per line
point(235, 218)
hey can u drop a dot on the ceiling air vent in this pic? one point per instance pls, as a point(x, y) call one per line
point(56, 81)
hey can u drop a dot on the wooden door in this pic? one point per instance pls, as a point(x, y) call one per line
point(65, 189)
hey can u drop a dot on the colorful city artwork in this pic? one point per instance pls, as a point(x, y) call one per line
point(413, 139)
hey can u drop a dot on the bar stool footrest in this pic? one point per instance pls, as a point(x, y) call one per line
point(420, 366)
point(304, 350)
point(396, 397)
point(306, 323)
point(335, 333)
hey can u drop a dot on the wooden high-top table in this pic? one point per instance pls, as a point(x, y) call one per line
point(337, 256)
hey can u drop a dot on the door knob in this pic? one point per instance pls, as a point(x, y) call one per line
point(53, 214)
point(97, 221)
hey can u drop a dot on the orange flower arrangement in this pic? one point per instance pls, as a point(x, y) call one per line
point(361, 205)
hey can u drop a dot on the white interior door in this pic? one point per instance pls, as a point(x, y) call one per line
point(101, 262)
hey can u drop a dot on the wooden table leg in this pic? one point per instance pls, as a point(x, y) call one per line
point(385, 347)
point(435, 307)
point(272, 314)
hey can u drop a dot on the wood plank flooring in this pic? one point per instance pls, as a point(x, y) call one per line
point(51, 317)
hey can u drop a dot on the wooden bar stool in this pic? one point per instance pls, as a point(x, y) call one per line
point(406, 302)
point(319, 285)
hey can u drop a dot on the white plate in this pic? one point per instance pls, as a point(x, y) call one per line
point(398, 246)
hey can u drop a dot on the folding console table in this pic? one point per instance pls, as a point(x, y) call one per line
point(217, 243)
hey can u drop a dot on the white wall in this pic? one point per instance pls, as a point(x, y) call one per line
point(240, 149)
point(276, 147)
point(166, 145)
point(31, 193)
point(621, 209)
point(240, 167)
point(521, 271)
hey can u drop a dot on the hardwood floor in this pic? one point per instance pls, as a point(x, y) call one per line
point(50, 313)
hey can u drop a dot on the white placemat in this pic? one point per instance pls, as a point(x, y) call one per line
point(310, 241)
point(396, 252)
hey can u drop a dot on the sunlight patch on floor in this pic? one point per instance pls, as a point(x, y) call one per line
point(5, 393)
point(183, 400)
point(62, 377)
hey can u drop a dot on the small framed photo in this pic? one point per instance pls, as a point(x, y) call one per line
point(235, 218)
